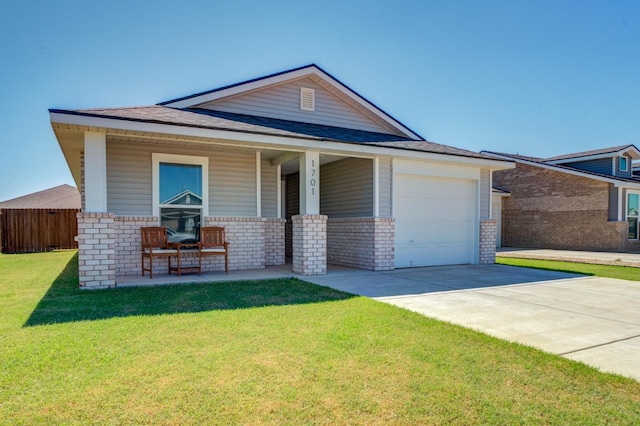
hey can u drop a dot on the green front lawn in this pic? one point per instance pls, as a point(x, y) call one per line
point(609, 271)
point(275, 352)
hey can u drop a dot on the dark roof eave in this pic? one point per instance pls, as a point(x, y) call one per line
point(562, 168)
point(312, 65)
point(377, 144)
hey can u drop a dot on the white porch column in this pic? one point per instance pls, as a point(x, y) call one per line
point(376, 187)
point(309, 228)
point(258, 185)
point(309, 183)
point(95, 172)
point(621, 204)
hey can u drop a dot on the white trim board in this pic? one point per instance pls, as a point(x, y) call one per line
point(229, 138)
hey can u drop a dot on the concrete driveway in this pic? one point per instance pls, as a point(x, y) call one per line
point(589, 319)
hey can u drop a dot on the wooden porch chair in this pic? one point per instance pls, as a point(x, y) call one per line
point(154, 242)
point(212, 243)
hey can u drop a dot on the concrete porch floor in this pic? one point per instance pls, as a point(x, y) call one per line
point(270, 272)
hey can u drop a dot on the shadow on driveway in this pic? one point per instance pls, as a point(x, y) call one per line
point(433, 279)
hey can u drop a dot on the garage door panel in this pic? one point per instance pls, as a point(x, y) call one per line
point(437, 209)
point(434, 233)
point(435, 221)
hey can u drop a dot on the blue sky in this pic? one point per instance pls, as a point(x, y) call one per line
point(538, 78)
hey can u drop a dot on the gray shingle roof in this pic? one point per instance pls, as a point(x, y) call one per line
point(609, 150)
point(561, 168)
point(58, 197)
point(514, 156)
point(218, 120)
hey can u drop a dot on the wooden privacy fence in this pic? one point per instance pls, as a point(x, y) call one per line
point(37, 230)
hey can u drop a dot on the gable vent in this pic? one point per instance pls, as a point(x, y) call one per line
point(307, 99)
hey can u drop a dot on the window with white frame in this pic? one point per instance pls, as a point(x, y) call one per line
point(180, 194)
point(623, 164)
point(633, 205)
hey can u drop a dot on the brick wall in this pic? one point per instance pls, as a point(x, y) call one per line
point(274, 246)
point(96, 250)
point(309, 244)
point(365, 243)
point(288, 238)
point(127, 238)
point(550, 209)
point(253, 243)
point(487, 242)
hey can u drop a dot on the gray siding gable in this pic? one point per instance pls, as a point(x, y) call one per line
point(602, 166)
point(628, 173)
point(282, 101)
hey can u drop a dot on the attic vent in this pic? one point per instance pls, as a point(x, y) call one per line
point(307, 99)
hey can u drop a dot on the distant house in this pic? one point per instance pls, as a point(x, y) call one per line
point(583, 201)
point(40, 221)
point(58, 197)
point(294, 162)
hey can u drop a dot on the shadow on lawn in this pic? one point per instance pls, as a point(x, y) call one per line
point(64, 302)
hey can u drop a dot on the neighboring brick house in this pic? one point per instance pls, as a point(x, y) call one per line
point(292, 163)
point(582, 201)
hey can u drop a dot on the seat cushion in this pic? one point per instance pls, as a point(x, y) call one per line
point(213, 250)
point(160, 251)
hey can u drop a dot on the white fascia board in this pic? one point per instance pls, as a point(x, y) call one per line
point(613, 180)
point(293, 75)
point(366, 104)
point(241, 139)
point(241, 88)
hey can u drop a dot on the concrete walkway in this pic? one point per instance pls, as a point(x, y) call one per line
point(589, 319)
point(603, 258)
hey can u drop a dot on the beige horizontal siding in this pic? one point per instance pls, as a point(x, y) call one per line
point(232, 184)
point(346, 188)
point(385, 184)
point(283, 102)
point(485, 193)
point(232, 179)
point(269, 183)
point(129, 179)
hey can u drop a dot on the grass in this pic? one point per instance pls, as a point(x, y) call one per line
point(609, 271)
point(277, 352)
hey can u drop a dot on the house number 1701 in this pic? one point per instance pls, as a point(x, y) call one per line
point(312, 181)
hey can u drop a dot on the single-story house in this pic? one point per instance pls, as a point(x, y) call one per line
point(292, 163)
point(581, 201)
point(58, 197)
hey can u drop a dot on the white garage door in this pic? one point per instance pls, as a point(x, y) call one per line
point(435, 221)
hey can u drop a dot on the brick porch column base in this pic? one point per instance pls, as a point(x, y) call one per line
point(309, 244)
point(487, 241)
point(96, 250)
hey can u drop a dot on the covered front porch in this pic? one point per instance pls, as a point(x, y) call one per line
point(312, 206)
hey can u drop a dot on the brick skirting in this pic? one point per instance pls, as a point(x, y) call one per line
point(96, 250)
point(309, 244)
point(362, 242)
point(109, 246)
point(487, 242)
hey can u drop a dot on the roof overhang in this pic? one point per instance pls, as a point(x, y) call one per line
point(69, 129)
point(574, 172)
point(631, 150)
point(298, 73)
